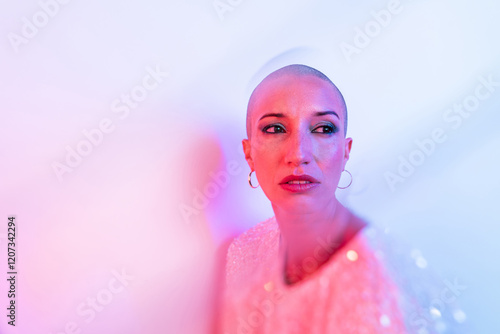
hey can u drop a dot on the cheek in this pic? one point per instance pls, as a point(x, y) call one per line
point(264, 164)
point(332, 159)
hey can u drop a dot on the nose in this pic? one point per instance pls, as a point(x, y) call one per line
point(298, 149)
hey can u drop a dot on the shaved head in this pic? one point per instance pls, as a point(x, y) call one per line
point(295, 70)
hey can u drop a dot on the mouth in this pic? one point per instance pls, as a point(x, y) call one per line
point(299, 179)
point(299, 183)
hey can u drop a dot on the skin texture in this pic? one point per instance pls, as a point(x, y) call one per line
point(299, 71)
point(299, 143)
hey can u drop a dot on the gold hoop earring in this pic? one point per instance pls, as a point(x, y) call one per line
point(250, 180)
point(345, 170)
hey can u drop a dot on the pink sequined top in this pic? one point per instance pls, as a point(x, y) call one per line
point(353, 292)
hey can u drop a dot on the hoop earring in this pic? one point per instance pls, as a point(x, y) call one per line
point(345, 170)
point(250, 180)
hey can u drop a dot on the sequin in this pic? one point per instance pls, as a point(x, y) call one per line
point(352, 255)
point(364, 288)
point(385, 321)
point(459, 316)
point(269, 286)
point(435, 313)
point(421, 262)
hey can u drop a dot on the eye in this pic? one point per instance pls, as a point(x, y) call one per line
point(325, 129)
point(276, 129)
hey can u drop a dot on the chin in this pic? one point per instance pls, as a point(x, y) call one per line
point(299, 203)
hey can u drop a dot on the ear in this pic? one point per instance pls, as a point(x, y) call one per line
point(347, 150)
point(247, 148)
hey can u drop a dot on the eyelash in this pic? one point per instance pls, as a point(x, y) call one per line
point(272, 126)
point(332, 129)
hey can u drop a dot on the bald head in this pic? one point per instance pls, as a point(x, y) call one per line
point(295, 70)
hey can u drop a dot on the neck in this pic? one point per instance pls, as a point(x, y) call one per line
point(310, 238)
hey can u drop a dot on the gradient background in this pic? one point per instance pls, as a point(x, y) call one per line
point(145, 200)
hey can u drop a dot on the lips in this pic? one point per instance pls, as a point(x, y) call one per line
point(299, 179)
point(298, 183)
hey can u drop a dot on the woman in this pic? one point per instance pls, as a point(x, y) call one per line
point(314, 267)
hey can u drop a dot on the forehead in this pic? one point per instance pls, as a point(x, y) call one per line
point(295, 95)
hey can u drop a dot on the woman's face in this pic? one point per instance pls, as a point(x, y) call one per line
point(297, 131)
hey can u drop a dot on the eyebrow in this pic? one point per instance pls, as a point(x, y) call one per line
point(317, 113)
